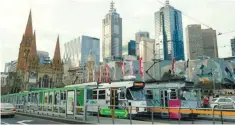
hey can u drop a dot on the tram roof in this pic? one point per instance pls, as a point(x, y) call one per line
point(105, 85)
point(166, 85)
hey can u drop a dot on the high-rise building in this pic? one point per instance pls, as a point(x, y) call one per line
point(169, 33)
point(233, 46)
point(125, 49)
point(132, 47)
point(77, 51)
point(201, 42)
point(146, 47)
point(194, 41)
point(112, 34)
point(138, 37)
point(43, 57)
point(209, 39)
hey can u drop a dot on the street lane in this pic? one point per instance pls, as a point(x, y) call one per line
point(19, 119)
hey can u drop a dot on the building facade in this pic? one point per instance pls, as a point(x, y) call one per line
point(132, 47)
point(146, 47)
point(138, 37)
point(169, 33)
point(233, 46)
point(112, 34)
point(210, 43)
point(194, 41)
point(10, 66)
point(44, 57)
point(32, 74)
point(78, 50)
point(125, 49)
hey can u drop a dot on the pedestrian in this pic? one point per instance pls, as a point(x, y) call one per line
point(205, 102)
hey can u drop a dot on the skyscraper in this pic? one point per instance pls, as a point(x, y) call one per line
point(233, 46)
point(43, 57)
point(146, 47)
point(201, 42)
point(132, 48)
point(210, 42)
point(169, 33)
point(194, 41)
point(138, 37)
point(112, 34)
point(78, 50)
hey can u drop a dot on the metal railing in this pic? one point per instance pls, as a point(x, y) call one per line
point(129, 115)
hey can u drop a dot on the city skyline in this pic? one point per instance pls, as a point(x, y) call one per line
point(55, 24)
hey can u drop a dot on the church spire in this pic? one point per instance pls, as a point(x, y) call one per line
point(33, 51)
point(29, 26)
point(57, 50)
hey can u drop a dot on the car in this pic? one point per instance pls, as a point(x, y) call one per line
point(8, 109)
point(223, 103)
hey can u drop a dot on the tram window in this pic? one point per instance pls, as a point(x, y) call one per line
point(149, 94)
point(61, 96)
point(94, 94)
point(101, 94)
point(55, 98)
point(50, 99)
point(173, 94)
point(89, 94)
point(65, 96)
point(128, 95)
point(122, 95)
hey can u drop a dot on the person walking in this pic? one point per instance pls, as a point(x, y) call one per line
point(205, 102)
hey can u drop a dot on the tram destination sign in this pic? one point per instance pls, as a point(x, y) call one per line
point(117, 112)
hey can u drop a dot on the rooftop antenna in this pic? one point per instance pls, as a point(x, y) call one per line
point(167, 2)
point(112, 9)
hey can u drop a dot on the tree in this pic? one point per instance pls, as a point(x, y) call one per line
point(14, 82)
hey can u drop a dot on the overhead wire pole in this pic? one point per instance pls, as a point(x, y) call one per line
point(154, 60)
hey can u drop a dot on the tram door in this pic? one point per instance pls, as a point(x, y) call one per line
point(164, 98)
point(114, 97)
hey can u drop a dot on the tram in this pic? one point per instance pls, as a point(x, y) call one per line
point(121, 98)
point(173, 94)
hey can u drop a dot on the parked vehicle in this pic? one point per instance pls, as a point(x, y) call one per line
point(223, 103)
point(8, 109)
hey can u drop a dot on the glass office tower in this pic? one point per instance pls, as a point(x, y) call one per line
point(169, 34)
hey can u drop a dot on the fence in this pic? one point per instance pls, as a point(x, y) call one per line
point(126, 115)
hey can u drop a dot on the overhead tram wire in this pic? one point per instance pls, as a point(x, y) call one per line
point(188, 16)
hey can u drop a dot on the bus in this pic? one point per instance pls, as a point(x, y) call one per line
point(173, 94)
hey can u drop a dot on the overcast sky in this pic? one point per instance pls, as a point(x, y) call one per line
point(71, 18)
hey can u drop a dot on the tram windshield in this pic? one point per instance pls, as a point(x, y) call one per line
point(135, 94)
point(189, 94)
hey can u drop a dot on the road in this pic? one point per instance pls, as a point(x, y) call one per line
point(26, 120)
point(19, 119)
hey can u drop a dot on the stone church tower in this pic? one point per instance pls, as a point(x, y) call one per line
point(32, 73)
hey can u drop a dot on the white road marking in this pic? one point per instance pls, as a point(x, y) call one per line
point(22, 122)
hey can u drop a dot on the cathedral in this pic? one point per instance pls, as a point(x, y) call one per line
point(30, 71)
